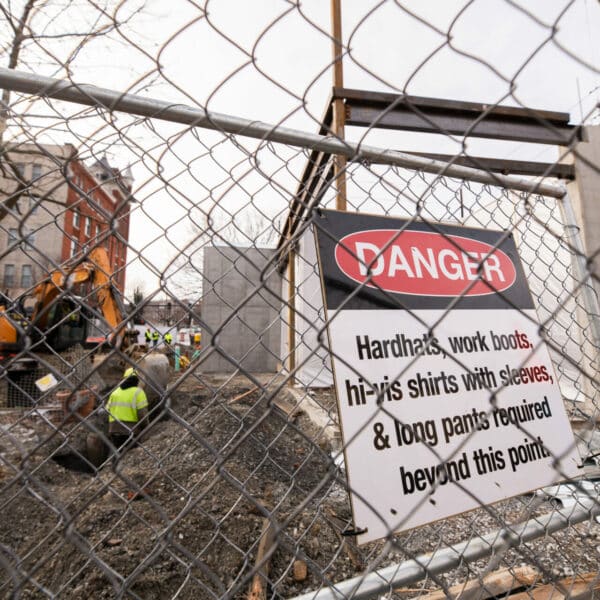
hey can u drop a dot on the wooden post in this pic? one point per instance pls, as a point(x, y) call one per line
point(258, 587)
point(339, 116)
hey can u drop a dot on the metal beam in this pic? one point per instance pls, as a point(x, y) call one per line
point(410, 119)
point(451, 117)
point(512, 167)
point(312, 172)
point(369, 98)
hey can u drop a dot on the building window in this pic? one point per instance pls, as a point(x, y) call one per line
point(76, 218)
point(28, 204)
point(20, 168)
point(9, 276)
point(36, 171)
point(15, 237)
point(33, 204)
point(88, 226)
point(73, 247)
point(26, 276)
point(12, 236)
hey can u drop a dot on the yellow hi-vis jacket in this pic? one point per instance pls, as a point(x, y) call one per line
point(123, 405)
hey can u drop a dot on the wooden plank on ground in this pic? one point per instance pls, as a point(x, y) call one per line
point(287, 408)
point(582, 586)
point(494, 584)
point(258, 587)
point(242, 395)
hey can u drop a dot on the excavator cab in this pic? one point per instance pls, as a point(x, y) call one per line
point(67, 324)
point(76, 304)
point(70, 319)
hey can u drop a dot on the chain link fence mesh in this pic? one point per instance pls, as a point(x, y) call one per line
point(165, 237)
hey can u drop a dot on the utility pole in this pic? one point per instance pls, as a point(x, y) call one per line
point(339, 116)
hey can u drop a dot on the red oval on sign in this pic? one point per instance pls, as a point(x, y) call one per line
point(424, 263)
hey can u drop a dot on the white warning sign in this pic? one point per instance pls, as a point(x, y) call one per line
point(447, 396)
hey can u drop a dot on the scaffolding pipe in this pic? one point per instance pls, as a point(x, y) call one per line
point(384, 580)
point(102, 98)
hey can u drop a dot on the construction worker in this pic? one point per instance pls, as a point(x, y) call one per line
point(148, 336)
point(127, 409)
point(155, 337)
point(168, 338)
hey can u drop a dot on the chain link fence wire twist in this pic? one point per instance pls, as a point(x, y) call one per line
point(163, 170)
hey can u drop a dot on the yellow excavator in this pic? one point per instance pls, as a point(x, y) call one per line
point(76, 304)
point(13, 326)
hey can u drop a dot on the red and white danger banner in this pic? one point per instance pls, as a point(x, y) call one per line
point(447, 396)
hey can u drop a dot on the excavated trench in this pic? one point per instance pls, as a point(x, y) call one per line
point(75, 462)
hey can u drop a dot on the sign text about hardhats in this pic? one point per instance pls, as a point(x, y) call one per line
point(429, 383)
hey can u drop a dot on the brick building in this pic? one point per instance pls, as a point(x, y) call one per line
point(98, 214)
point(56, 207)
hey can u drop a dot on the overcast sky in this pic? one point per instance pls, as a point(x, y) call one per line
point(270, 60)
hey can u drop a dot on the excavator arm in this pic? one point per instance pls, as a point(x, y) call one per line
point(109, 299)
point(52, 304)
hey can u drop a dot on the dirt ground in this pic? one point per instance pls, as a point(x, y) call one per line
point(181, 515)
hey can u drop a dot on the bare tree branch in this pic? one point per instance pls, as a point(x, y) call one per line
point(13, 57)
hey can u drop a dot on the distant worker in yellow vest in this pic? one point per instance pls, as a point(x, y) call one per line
point(127, 409)
point(168, 338)
point(197, 340)
point(148, 336)
point(155, 337)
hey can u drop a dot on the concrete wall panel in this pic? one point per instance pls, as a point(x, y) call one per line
point(235, 278)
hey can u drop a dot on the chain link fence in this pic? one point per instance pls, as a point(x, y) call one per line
point(168, 191)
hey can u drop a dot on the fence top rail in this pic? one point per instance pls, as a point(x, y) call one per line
point(111, 100)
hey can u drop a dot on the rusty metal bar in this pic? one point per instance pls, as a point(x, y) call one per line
point(507, 167)
point(338, 104)
point(451, 117)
